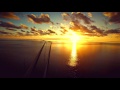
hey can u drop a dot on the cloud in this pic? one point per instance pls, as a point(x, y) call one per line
point(110, 14)
point(24, 26)
point(9, 15)
point(22, 31)
point(113, 31)
point(36, 33)
point(51, 31)
point(114, 17)
point(41, 32)
point(3, 32)
point(33, 29)
point(80, 16)
point(43, 18)
point(57, 23)
point(74, 25)
point(90, 14)
point(10, 25)
point(96, 29)
point(11, 29)
point(77, 16)
point(75, 19)
point(28, 34)
point(63, 30)
point(65, 16)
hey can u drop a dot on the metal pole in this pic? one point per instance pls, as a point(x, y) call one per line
point(31, 68)
point(47, 65)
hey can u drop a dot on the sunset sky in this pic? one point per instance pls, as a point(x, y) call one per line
point(38, 24)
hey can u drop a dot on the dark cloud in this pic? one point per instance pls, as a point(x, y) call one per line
point(75, 19)
point(33, 29)
point(36, 33)
point(96, 29)
point(43, 18)
point(77, 16)
point(11, 29)
point(78, 27)
point(41, 32)
point(114, 17)
point(51, 31)
point(10, 25)
point(80, 16)
point(113, 31)
point(9, 15)
point(74, 26)
point(22, 31)
point(86, 30)
point(57, 23)
point(28, 32)
point(3, 32)
point(63, 30)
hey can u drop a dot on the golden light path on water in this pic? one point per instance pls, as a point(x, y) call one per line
point(73, 57)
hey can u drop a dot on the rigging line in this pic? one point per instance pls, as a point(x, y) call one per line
point(31, 68)
point(45, 53)
point(47, 65)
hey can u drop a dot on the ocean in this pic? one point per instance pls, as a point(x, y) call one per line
point(23, 59)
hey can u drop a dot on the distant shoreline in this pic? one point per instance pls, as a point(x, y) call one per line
point(60, 42)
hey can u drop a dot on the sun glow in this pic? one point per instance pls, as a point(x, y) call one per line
point(74, 37)
point(73, 57)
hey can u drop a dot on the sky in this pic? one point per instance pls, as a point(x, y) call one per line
point(39, 24)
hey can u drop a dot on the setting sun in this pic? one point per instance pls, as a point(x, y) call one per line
point(59, 44)
point(74, 37)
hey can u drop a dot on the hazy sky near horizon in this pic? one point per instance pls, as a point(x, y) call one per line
point(59, 23)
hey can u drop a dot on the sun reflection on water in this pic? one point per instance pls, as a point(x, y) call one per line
point(73, 57)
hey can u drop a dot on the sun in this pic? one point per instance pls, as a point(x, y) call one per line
point(74, 37)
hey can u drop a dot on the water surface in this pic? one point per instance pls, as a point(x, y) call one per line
point(67, 60)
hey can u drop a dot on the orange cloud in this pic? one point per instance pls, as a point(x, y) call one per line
point(65, 16)
point(9, 15)
point(90, 14)
point(24, 26)
point(114, 17)
point(109, 14)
